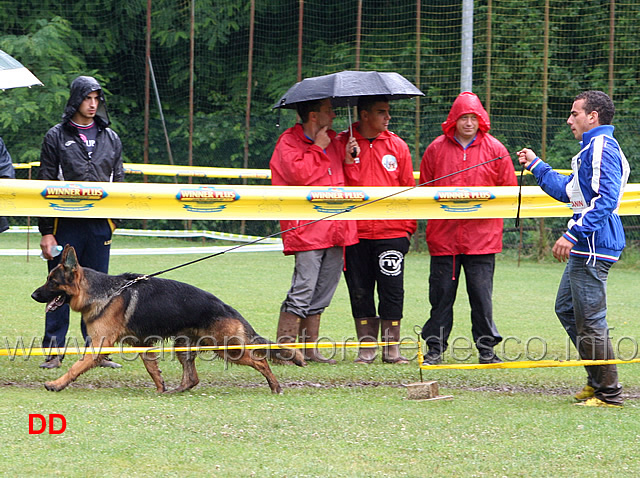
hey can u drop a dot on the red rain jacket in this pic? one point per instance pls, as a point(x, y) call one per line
point(296, 161)
point(445, 156)
point(386, 161)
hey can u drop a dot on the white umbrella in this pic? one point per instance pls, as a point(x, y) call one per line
point(13, 74)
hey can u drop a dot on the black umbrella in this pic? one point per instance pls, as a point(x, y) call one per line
point(344, 88)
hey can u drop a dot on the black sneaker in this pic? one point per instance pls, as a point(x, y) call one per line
point(489, 358)
point(432, 358)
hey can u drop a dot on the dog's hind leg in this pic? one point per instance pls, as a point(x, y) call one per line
point(261, 365)
point(189, 374)
point(150, 361)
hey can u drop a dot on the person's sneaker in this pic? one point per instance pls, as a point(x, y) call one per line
point(432, 358)
point(108, 363)
point(489, 358)
point(596, 402)
point(51, 362)
point(585, 394)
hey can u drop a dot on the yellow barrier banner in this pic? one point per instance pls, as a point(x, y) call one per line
point(19, 197)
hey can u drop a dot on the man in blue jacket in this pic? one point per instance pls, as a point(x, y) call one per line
point(594, 238)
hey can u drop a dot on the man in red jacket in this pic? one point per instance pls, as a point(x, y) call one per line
point(308, 154)
point(378, 258)
point(464, 243)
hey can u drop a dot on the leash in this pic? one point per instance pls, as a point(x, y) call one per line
point(519, 196)
point(210, 256)
point(130, 283)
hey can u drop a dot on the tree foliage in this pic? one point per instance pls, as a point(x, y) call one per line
point(60, 40)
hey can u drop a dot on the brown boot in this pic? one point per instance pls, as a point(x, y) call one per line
point(288, 325)
point(391, 333)
point(53, 361)
point(367, 330)
point(309, 332)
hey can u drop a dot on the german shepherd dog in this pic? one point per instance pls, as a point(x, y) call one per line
point(140, 311)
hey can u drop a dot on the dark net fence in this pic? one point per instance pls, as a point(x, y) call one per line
point(208, 73)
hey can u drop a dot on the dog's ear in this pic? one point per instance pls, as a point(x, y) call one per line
point(69, 258)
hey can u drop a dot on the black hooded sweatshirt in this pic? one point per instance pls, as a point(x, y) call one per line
point(64, 156)
point(6, 171)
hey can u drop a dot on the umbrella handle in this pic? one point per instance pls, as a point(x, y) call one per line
point(354, 153)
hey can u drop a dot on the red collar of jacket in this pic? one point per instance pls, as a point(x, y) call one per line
point(356, 133)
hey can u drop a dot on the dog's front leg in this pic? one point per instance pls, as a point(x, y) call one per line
point(81, 366)
point(104, 337)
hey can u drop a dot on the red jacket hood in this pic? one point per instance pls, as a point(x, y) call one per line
point(464, 104)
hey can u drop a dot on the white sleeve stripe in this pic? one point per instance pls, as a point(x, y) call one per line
point(596, 162)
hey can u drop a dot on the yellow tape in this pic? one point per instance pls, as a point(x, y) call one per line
point(196, 171)
point(185, 201)
point(527, 364)
point(41, 351)
point(207, 172)
point(9, 352)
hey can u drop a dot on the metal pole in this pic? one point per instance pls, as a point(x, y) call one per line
point(192, 44)
point(247, 117)
point(612, 45)
point(164, 124)
point(358, 34)
point(416, 153)
point(147, 85)
point(466, 58)
point(487, 99)
point(357, 59)
point(545, 79)
point(300, 30)
point(542, 240)
point(147, 96)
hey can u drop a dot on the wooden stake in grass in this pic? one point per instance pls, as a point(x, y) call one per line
point(425, 391)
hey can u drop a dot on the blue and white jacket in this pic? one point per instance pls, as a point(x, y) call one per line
point(594, 190)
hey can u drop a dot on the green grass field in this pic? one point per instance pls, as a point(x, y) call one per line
point(345, 420)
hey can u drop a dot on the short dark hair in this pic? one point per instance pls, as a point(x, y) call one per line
point(307, 107)
point(600, 102)
point(365, 103)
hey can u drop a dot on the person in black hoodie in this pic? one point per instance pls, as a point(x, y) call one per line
point(81, 147)
point(6, 171)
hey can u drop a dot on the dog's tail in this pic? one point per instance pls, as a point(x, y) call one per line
point(282, 356)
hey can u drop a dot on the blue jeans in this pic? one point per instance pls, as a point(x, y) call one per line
point(581, 306)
